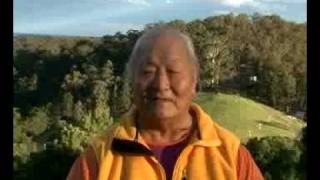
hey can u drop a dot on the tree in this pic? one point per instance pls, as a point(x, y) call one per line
point(216, 61)
point(83, 48)
point(25, 83)
point(67, 105)
point(37, 121)
point(79, 110)
point(74, 81)
point(303, 158)
point(121, 95)
point(117, 48)
point(277, 157)
point(26, 129)
point(178, 24)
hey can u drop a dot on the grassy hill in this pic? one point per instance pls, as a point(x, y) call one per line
point(247, 118)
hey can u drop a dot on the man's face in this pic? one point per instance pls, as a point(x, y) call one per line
point(165, 79)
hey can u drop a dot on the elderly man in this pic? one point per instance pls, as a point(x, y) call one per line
point(165, 135)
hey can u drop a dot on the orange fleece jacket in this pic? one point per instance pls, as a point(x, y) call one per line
point(212, 153)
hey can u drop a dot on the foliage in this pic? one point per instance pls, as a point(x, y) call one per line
point(26, 129)
point(85, 106)
point(122, 96)
point(76, 136)
point(303, 159)
point(278, 157)
point(51, 164)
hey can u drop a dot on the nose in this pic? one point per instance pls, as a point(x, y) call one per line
point(161, 81)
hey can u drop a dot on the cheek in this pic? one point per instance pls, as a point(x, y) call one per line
point(184, 88)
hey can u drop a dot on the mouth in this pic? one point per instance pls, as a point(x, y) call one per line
point(161, 99)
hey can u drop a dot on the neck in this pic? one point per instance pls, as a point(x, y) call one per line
point(165, 131)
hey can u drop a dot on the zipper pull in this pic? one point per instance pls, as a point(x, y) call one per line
point(184, 174)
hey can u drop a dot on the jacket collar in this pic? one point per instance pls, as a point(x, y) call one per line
point(206, 134)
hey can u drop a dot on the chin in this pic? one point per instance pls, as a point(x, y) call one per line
point(159, 109)
point(163, 113)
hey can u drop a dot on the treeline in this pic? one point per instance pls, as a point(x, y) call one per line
point(65, 95)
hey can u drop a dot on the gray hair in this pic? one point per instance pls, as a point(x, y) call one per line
point(140, 47)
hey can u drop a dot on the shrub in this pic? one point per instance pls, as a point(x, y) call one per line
point(51, 164)
point(278, 157)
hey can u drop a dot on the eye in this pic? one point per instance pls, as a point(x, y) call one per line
point(148, 71)
point(173, 71)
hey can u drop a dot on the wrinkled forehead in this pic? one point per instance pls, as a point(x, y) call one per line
point(167, 46)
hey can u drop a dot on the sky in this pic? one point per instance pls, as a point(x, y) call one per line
point(102, 17)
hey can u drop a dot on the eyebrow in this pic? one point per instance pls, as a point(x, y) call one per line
point(148, 63)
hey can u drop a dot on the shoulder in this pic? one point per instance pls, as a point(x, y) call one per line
point(85, 167)
point(246, 166)
point(209, 128)
point(226, 137)
point(101, 144)
point(225, 134)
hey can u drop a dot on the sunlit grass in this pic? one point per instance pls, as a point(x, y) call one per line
point(247, 118)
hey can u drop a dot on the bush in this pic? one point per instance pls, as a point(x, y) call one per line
point(303, 147)
point(51, 164)
point(277, 157)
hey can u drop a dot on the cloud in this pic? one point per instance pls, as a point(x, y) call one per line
point(236, 3)
point(285, 1)
point(169, 1)
point(220, 12)
point(139, 2)
point(272, 7)
point(257, 3)
point(262, 6)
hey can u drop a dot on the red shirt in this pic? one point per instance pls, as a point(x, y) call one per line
point(167, 155)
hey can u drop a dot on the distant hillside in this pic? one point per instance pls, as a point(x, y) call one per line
point(45, 35)
point(48, 42)
point(247, 118)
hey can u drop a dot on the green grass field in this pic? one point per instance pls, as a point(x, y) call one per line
point(247, 118)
